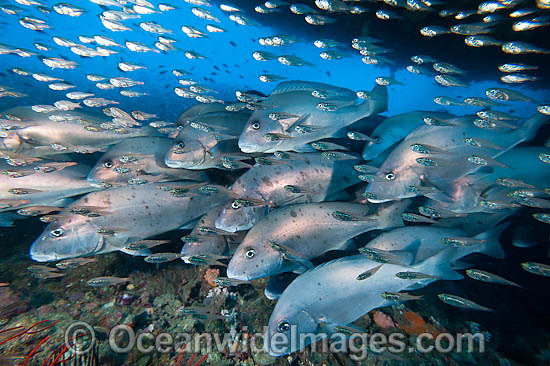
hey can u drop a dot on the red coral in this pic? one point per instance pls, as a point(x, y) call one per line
point(180, 358)
point(412, 323)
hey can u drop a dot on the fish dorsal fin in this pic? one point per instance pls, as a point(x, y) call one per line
point(404, 255)
point(412, 249)
point(309, 86)
point(202, 109)
point(422, 130)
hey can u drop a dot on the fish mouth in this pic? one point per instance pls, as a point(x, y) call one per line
point(376, 197)
point(378, 200)
point(190, 159)
point(43, 257)
point(96, 183)
point(38, 255)
point(247, 148)
point(231, 273)
point(171, 163)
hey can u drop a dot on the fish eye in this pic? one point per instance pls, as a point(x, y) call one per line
point(377, 140)
point(56, 233)
point(256, 125)
point(181, 145)
point(108, 164)
point(250, 253)
point(390, 176)
point(235, 205)
point(283, 326)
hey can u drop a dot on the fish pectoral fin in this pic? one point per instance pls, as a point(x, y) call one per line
point(310, 128)
point(300, 270)
point(288, 123)
point(442, 192)
point(439, 196)
point(304, 149)
point(461, 264)
point(190, 225)
point(141, 253)
point(306, 264)
point(290, 199)
point(31, 141)
point(344, 216)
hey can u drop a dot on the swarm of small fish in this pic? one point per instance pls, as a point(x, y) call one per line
point(309, 181)
point(310, 169)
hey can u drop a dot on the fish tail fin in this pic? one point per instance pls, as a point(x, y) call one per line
point(532, 125)
point(492, 246)
point(378, 100)
point(439, 266)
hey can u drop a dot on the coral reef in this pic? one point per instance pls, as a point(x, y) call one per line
point(155, 302)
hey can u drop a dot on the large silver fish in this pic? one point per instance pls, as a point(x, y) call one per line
point(433, 156)
point(427, 241)
point(294, 117)
point(306, 231)
point(202, 130)
point(330, 295)
point(136, 161)
point(120, 216)
point(394, 129)
point(62, 131)
point(490, 191)
point(224, 154)
point(204, 239)
point(25, 186)
point(308, 178)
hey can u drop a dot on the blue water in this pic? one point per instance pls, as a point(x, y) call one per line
point(229, 66)
point(242, 70)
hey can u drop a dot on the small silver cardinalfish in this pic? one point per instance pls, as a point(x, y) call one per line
point(484, 276)
point(106, 281)
point(461, 302)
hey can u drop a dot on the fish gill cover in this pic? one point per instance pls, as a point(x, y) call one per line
point(263, 171)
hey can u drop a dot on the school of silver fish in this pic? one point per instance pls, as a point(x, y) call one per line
point(313, 166)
